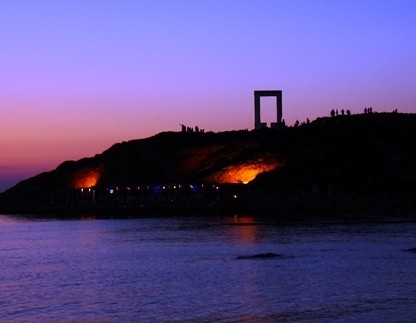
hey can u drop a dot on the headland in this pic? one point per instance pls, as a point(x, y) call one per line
point(346, 167)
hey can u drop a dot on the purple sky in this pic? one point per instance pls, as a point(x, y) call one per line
point(78, 76)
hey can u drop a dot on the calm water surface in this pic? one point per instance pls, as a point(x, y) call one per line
point(187, 270)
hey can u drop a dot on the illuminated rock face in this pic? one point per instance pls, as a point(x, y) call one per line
point(87, 177)
point(245, 172)
point(241, 172)
point(227, 161)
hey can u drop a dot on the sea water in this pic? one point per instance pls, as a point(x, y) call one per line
point(205, 269)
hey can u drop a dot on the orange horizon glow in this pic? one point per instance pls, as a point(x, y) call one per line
point(72, 86)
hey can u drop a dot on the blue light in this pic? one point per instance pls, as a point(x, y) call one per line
point(155, 189)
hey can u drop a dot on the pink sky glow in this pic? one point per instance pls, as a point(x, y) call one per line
point(78, 76)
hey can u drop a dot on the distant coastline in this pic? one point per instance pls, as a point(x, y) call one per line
point(347, 167)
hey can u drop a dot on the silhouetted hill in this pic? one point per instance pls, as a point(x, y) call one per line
point(346, 164)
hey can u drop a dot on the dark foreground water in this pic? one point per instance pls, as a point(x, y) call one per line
point(189, 270)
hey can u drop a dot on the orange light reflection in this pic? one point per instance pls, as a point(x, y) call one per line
point(245, 229)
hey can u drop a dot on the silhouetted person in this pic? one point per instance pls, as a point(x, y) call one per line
point(348, 112)
point(336, 112)
point(283, 123)
point(196, 129)
point(342, 111)
point(183, 128)
point(332, 113)
point(365, 110)
point(296, 123)
point(307, 121)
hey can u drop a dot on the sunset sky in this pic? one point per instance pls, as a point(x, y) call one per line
point(78, 76)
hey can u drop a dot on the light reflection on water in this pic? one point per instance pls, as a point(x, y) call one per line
point(186, 269)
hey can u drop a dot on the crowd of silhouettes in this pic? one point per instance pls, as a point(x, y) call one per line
point(190, 129)
point(343, 112)
point(333, 113)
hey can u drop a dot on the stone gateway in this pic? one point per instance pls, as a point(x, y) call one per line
point(257, 95)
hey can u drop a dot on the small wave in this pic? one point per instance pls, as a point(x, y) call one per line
point(410, 250)
point(267, 255)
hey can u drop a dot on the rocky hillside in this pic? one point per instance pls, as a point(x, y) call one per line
point(359, 159)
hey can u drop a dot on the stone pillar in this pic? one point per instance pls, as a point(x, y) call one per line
point(257, 110)
point(279, 108)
